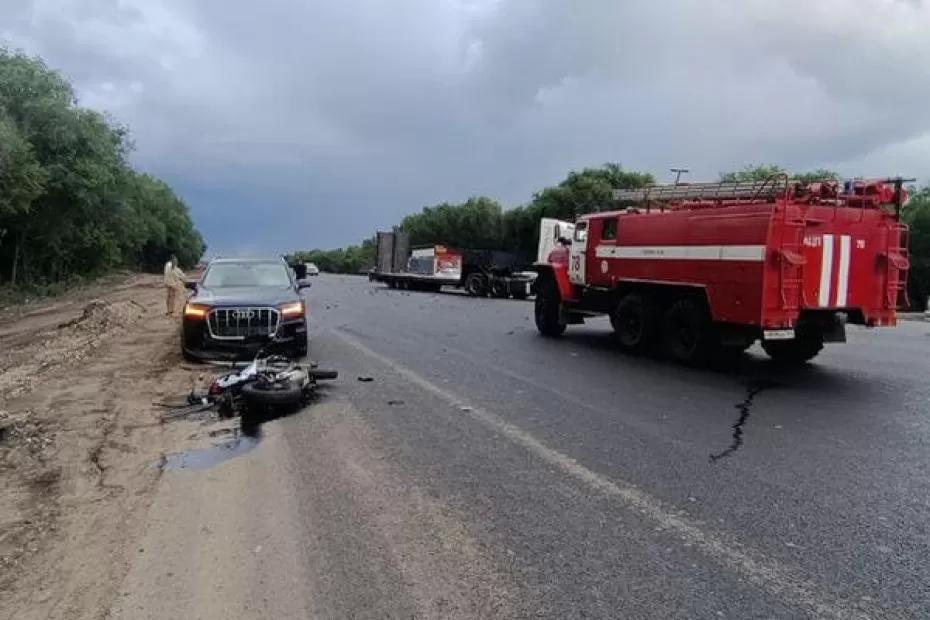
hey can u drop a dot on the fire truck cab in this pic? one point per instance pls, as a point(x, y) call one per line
point(710, 268)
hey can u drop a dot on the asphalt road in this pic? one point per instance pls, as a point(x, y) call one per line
point(485, 471)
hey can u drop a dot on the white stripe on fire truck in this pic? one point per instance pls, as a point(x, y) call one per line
point(754, 253)
point(842, 278)
point(826, 270)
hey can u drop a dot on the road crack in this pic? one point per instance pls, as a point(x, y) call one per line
point(745, 409)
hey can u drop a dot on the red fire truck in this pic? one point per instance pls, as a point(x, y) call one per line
point(710, 268)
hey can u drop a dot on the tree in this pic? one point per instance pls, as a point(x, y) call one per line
point(759, 172)
point(352, 259)
point(821, 174)
point(22, 180)
point(70, 204)
point(579, 193)
point(916, 214)
point(762, 172)
point(474, 223)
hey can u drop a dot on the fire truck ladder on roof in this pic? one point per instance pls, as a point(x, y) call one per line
point(741, 190)
point(896, 265)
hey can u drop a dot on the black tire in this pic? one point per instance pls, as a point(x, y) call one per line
point(283, 393)
point(798, 351)
point(546, 310)
point(635, 323)
point(499, 289)
point(476, 285)
point(687, 331)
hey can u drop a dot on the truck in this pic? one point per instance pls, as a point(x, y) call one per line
point(707, 269)
point(480, 272)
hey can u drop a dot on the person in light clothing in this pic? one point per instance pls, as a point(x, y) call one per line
point(174, 282)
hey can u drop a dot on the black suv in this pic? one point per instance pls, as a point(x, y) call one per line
point(238, 304)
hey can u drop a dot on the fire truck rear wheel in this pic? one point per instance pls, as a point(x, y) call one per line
point(798, 351)
point(546, 310)
point(687, 331)
point(634, 322)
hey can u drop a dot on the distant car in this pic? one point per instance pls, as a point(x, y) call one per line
point(238, 304)
point(312, 269)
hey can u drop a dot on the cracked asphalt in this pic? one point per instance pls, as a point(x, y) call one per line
point(485, 471)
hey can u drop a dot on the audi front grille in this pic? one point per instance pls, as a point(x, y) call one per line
point(242, 323)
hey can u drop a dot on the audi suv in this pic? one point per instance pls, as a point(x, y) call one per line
point(238, 304)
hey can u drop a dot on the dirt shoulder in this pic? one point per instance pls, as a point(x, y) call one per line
point(81, 442)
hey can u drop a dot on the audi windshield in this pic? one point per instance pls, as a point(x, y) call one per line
point(247, 274)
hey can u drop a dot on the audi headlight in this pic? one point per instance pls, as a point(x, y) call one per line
point(195, 311)
point(293, 309)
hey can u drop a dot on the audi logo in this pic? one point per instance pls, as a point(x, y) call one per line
point(243, 314)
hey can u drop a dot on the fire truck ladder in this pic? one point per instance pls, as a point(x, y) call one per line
point(742, 190)
point(896, 265)
point(791, 264)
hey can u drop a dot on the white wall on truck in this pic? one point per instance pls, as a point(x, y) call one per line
point(550, 231)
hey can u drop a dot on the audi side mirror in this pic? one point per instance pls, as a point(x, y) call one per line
point(190, 285)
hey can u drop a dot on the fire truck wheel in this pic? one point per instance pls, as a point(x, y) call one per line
point(796, 351)
point(547, 310)
point(476, 285)
point(687, 331)
point(634, 323)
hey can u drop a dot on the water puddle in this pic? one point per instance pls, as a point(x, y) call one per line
point(202, 458)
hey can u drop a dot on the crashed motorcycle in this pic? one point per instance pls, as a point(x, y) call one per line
point(272, 380)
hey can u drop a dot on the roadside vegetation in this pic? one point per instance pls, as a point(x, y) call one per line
point(71, 206)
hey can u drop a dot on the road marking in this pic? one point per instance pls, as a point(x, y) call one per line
point(842, 284)
point(765, 574)
point(826, 271)
point(752, 253)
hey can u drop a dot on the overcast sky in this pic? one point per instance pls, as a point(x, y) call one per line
point(290, 124)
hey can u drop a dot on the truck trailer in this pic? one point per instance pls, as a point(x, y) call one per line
point(479, 272)
point(710, 268)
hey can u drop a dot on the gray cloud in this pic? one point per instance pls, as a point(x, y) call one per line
point(313, 123)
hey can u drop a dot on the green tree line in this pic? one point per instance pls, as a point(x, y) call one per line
point(70, 204)
point(351, 259)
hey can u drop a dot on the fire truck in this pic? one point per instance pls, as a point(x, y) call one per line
point(707, 269)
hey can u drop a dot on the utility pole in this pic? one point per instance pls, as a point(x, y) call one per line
point(678, 172)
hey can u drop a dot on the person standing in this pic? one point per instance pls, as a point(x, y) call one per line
point(174, 281)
